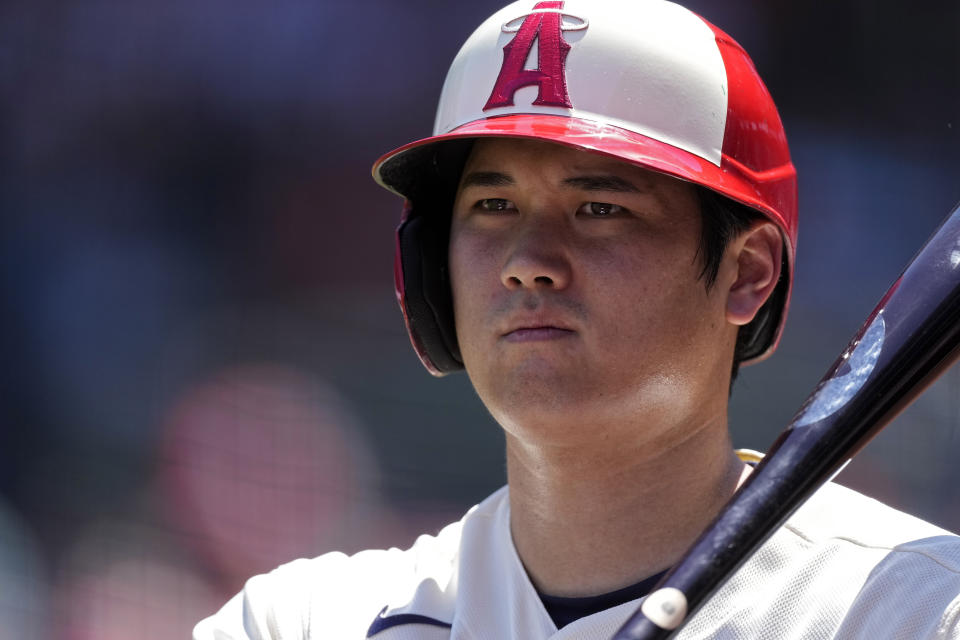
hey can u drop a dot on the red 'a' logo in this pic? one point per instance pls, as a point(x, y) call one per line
point(543, 25)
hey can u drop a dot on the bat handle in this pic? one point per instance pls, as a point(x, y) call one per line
point(642, 628)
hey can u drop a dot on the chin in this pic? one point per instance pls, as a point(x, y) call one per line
point(533, 379)
point(565, 409)
point(544, 426)
point(546, 410)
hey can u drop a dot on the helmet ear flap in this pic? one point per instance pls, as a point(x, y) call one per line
point(423, 288)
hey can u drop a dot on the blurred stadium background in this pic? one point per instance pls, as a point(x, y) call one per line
point(205, 373)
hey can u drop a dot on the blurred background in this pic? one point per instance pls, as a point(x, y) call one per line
point(205, 373)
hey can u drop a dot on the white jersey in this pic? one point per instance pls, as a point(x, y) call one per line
point(844, 566)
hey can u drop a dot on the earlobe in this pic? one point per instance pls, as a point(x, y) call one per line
point(758, 254)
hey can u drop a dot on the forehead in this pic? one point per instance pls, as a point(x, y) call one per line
point(540, 165)
point(518, 157)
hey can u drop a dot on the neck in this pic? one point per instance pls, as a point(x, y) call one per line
point(588, 520)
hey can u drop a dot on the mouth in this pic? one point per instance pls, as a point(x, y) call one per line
point(538, 333)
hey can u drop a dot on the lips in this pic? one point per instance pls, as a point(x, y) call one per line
point(536, 328)
point(537, 334)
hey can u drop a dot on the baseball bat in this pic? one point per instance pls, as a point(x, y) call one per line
point(909, 339)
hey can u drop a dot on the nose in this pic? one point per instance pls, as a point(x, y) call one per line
point(538, 259)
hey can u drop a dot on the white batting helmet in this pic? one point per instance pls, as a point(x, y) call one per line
point(645, 81)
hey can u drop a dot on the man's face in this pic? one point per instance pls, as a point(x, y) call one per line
point(577, 294)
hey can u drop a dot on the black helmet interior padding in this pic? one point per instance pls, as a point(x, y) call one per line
point(427, 296)
point(428, 178)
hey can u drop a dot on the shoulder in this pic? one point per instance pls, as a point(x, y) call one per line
point(865, 532)
point(836, 511)
point(333, 595)
point(338, 596)
point(847, 566)
point(906, 571)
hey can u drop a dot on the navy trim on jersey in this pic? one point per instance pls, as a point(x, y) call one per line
point(382, 623)
point(563, 610)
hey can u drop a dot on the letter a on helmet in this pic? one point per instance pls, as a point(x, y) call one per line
point(541, 27)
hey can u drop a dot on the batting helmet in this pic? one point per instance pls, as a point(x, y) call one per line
point(645, 81)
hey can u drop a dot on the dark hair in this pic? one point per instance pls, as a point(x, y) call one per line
point(722, 221)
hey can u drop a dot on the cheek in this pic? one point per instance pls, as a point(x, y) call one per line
point(470, 264)
point(650, 296)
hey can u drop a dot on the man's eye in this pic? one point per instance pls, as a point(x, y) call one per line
point(495, 204)
point(601, 209)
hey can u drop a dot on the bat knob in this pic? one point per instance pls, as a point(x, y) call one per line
point(661, 612)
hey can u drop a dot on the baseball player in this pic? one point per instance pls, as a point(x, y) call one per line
point(600, 231)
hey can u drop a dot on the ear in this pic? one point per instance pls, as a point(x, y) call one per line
point(758, 254)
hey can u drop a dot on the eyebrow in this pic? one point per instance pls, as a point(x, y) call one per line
point(486, 179)
point(599, 182)
point(602, 182)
